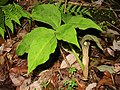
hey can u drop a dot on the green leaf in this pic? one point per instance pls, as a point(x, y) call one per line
point(24, 45)
point(2, 32)
point(39, 44)
point(67, 33)
point(2, 2)
point(83, 23)
point(66, 17)
point(13, 12)
point(13, 17)
point(41, 48)
point(47, 13)
point(92, 37)
point(20, 11)
point(9, 23)
point(2, 28)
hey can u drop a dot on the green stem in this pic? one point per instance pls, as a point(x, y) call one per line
point(79, 61)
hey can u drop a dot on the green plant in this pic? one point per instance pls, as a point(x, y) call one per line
point(10, 13)
point(42, 41)
point(71, 84)
point(72, 70)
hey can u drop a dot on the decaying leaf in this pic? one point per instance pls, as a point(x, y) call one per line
point(116, 67)
point(91, 86)
point(106, 67)
point(116, 45)
point(70, 58)
point(17, 81)
point(106, 80)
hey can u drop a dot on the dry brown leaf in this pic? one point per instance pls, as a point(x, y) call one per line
point(106, 80)
point(17, 80)
point(2, 60)
point(110, 51)
point(91, 86)
point(19, 70)
point(26, 84)
point(116, 45)
point(116, 67)
point(81, 86)
point(70, 58)
point(35, 86)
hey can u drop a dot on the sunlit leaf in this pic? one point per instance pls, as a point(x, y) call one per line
point(47, 13)
point(83, 23)
point(24, 45)
point(9, 23)
point(41, 48)
point(67, 33)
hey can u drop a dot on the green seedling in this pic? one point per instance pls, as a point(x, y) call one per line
point(71, 84)
point(72, 70)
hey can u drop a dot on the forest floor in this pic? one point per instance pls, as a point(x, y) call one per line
point(55, 74)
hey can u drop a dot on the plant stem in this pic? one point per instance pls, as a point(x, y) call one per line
point(79, 61)
point(85, 58)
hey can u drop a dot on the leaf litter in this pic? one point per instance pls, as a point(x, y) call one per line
point(13, 69)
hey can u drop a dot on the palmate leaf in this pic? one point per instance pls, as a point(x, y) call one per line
point(83, 23)
point(67, 33)
point(47, 13)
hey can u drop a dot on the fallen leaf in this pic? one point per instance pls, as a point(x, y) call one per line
point(26, 84)
point(70, 58)
point(116, 45)
point(19, 70)
point(111, 31)
point(116, 67)
point(2, 60)
point(81, 86)
point(117, 81)
point(106, 80)
point(17, 80)
point(106, 67)
point(35, 86)
point(91, 86)
point(110, 51)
